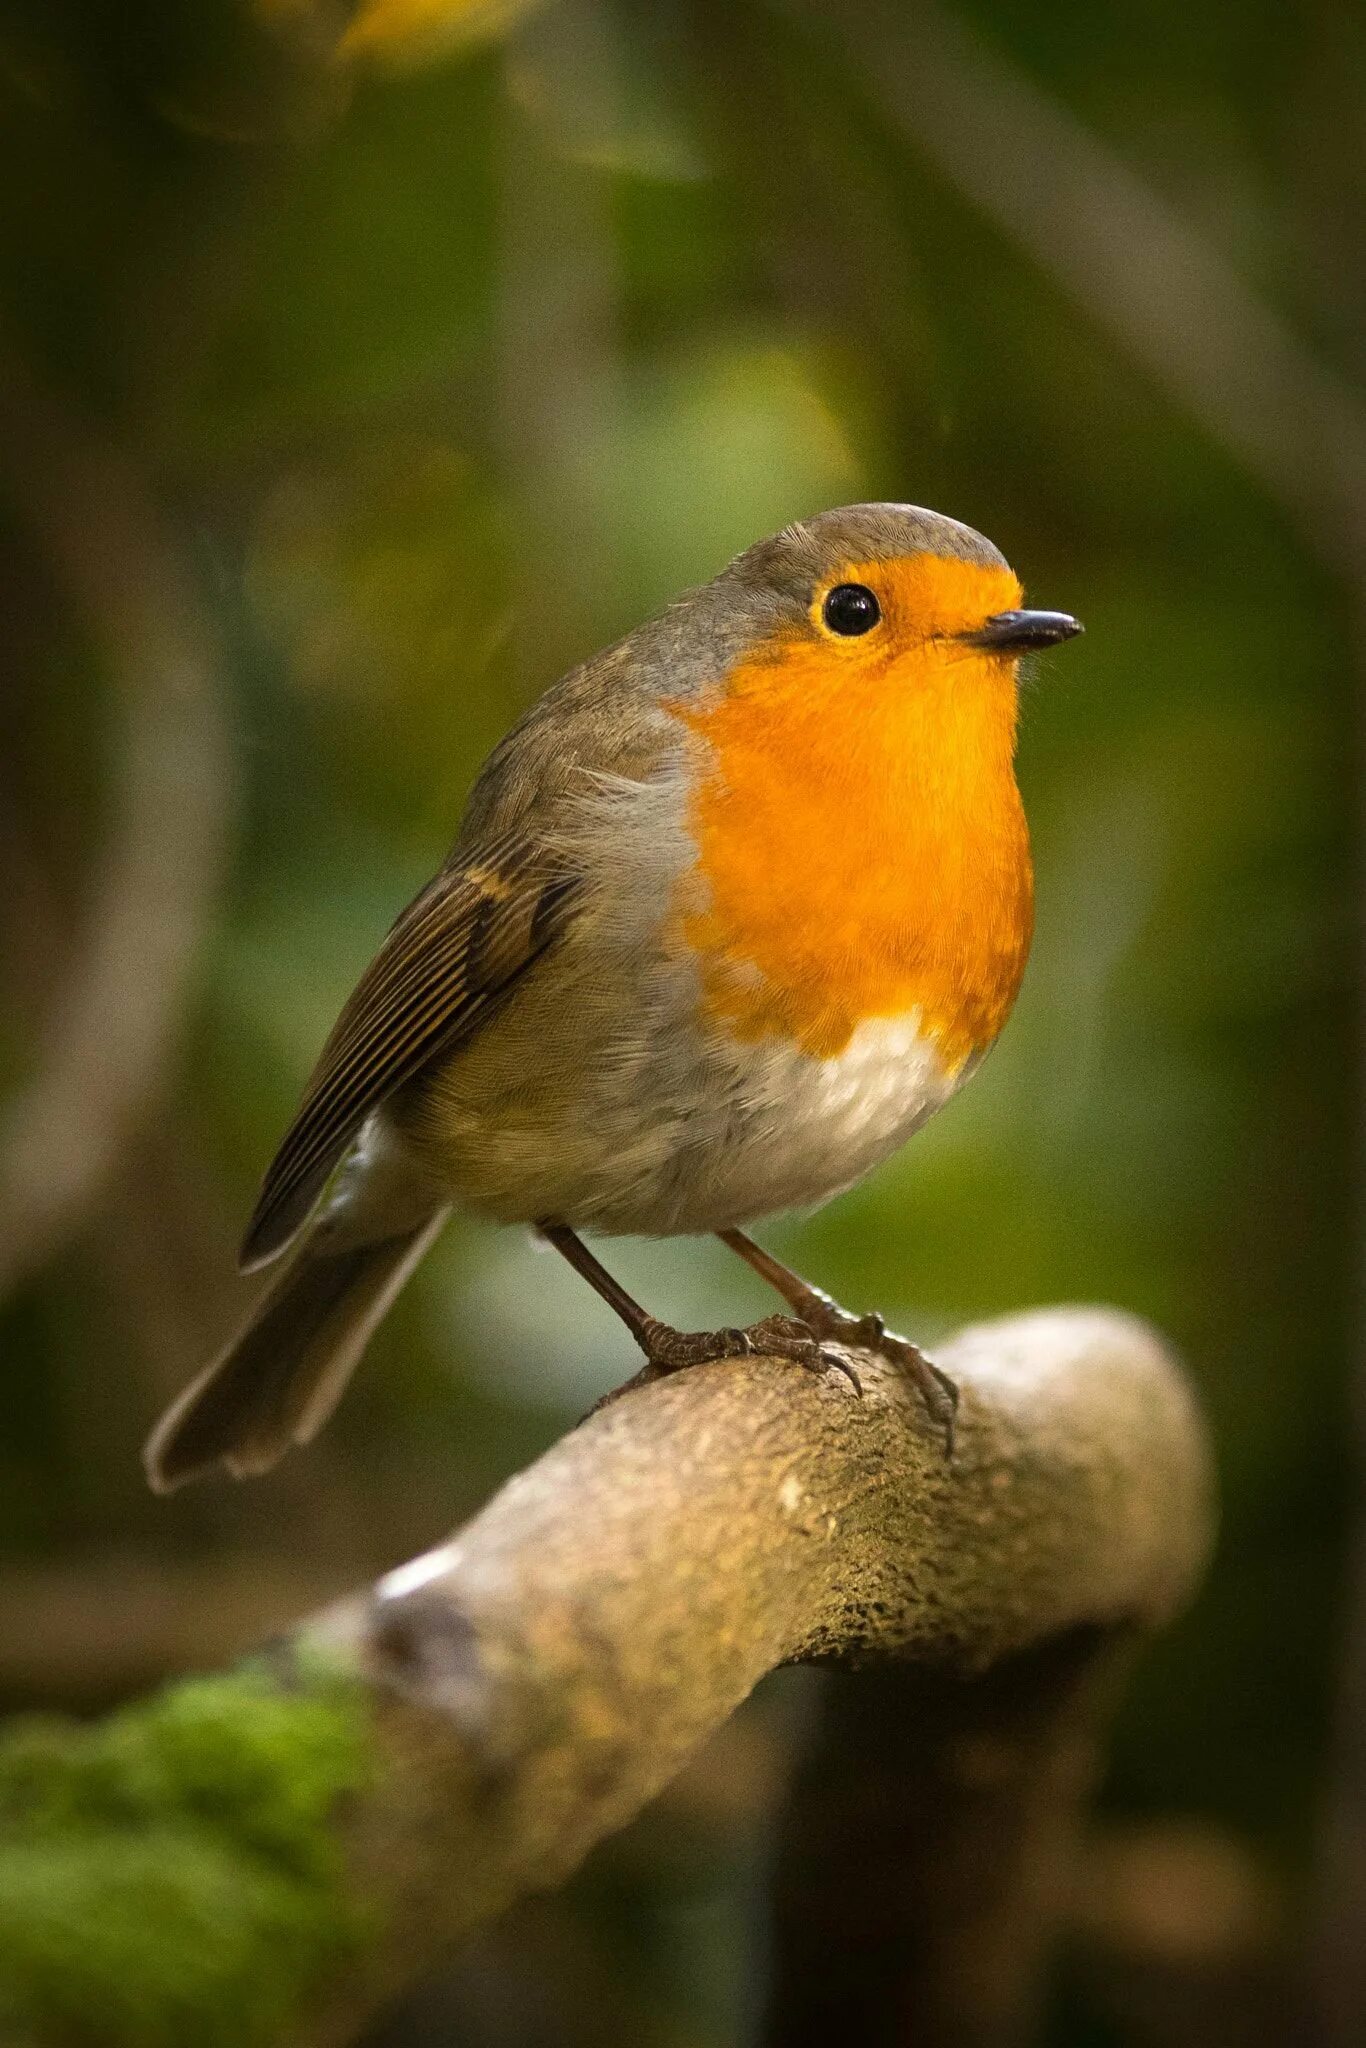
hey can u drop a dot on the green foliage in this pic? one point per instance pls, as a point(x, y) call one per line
point(171, 1874)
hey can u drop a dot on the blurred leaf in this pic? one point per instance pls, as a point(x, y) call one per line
point(404, 32)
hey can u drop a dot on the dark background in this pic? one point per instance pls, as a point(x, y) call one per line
point(348, 390)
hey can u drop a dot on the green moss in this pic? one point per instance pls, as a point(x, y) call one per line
point(173, 1874)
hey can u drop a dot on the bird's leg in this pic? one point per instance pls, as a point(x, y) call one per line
point(823, 1316)
point(668, 1350)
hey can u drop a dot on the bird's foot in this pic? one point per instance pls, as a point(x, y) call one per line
point(669, 1351)
point(830, 1323)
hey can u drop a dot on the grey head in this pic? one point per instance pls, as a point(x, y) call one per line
point(771, 585)
point(811, 550)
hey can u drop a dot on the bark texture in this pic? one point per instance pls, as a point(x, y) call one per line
point(493, 1709)
point(542, 1675)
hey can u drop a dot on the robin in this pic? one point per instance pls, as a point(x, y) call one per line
point(735, 907)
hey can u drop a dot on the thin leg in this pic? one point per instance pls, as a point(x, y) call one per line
point(573, 1248)
point(669, 1350)
point(812, 1304)
point(824, 1317)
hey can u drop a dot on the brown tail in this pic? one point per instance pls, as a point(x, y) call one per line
point(284, 1373)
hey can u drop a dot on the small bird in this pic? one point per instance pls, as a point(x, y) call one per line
point(735, 907)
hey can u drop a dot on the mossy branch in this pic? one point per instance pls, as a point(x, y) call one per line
point(272, 1853)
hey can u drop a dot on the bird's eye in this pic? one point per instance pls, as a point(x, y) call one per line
point(851, 608)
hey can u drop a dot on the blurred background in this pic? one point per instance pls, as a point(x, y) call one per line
point(360, 367)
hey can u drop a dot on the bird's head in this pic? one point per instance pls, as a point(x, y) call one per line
point(869, 597)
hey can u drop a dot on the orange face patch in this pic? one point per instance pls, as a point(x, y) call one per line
point(862, 848)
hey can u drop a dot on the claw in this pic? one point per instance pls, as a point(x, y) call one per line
point(788, 1337)
point(837, 1362)
point(823, 1317)
point(937, 1391)
point(870, 1333)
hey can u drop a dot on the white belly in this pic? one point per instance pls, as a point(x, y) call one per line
point(771, 1127)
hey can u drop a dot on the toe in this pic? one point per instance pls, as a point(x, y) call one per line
point(835, 1361)
point(947, 1387)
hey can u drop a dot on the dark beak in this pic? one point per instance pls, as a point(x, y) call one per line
point(1023, 632)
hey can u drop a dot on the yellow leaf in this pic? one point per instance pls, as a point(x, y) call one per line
point(404, 31)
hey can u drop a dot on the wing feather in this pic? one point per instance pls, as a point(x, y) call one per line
point(446, 961)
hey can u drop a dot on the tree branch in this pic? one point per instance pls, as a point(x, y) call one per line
point(525, 1689)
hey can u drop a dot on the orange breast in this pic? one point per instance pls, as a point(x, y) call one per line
point(862, 847)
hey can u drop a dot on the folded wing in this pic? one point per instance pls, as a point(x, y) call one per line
point(449, 958)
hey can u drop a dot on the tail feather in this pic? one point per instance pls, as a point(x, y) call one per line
point(286, 1370)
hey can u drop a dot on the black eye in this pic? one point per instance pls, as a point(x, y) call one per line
point(851, 608)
